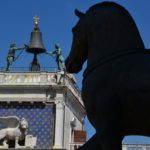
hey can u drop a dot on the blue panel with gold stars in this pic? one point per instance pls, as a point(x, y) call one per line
point(40, 118)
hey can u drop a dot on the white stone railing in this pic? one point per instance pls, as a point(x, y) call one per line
point(40, 78)
point(136, 147)
point(23, 78)
point(75, 145)
point(27, 78)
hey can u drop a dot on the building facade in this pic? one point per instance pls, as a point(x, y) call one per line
point(50, 102)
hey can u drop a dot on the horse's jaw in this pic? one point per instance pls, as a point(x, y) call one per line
point(72, 67)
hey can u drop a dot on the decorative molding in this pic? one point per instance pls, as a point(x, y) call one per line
point(52, 85)
point(61, 102)
point(74, 105)
point(22, 99)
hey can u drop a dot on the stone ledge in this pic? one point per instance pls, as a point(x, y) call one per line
point(30, 149)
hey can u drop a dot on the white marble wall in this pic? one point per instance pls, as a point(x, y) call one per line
point(68, 128)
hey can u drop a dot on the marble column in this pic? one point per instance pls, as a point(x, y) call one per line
point(59, 124)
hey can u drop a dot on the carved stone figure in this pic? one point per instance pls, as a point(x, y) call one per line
point(58, 55)
point(116, 83)
point(16, 129)
point(60, 77)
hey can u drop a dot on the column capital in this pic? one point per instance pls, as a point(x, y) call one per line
point(60, 102)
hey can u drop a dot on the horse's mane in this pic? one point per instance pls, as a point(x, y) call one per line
point(123, 24)
point(106, 4)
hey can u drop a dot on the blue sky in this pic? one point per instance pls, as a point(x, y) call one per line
point(56, 20)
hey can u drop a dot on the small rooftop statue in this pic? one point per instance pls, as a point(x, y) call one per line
point(57, 53)
point(11, 55)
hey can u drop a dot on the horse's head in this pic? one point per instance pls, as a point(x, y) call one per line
point(105, 29)
point(79, 51)
point(23, 124)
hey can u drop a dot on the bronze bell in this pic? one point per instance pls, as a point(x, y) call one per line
point(36, 45)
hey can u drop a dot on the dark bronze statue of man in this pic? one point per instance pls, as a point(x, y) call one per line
point(11, 55)
point(57, 53)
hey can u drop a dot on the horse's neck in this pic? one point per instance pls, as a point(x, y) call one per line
point(106, 39)
point(99, 49)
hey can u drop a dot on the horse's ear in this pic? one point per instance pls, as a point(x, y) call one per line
point(79, 13)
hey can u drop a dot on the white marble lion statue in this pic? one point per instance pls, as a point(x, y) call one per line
point(16, 129)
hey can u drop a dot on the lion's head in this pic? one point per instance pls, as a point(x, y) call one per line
point(23, 123)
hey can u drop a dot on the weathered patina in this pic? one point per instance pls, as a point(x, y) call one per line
point(57, 54)
point(11, 55)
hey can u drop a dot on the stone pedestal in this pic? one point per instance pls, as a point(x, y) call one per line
point(30, 141)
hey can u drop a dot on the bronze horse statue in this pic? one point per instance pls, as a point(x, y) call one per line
point(116, 83)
